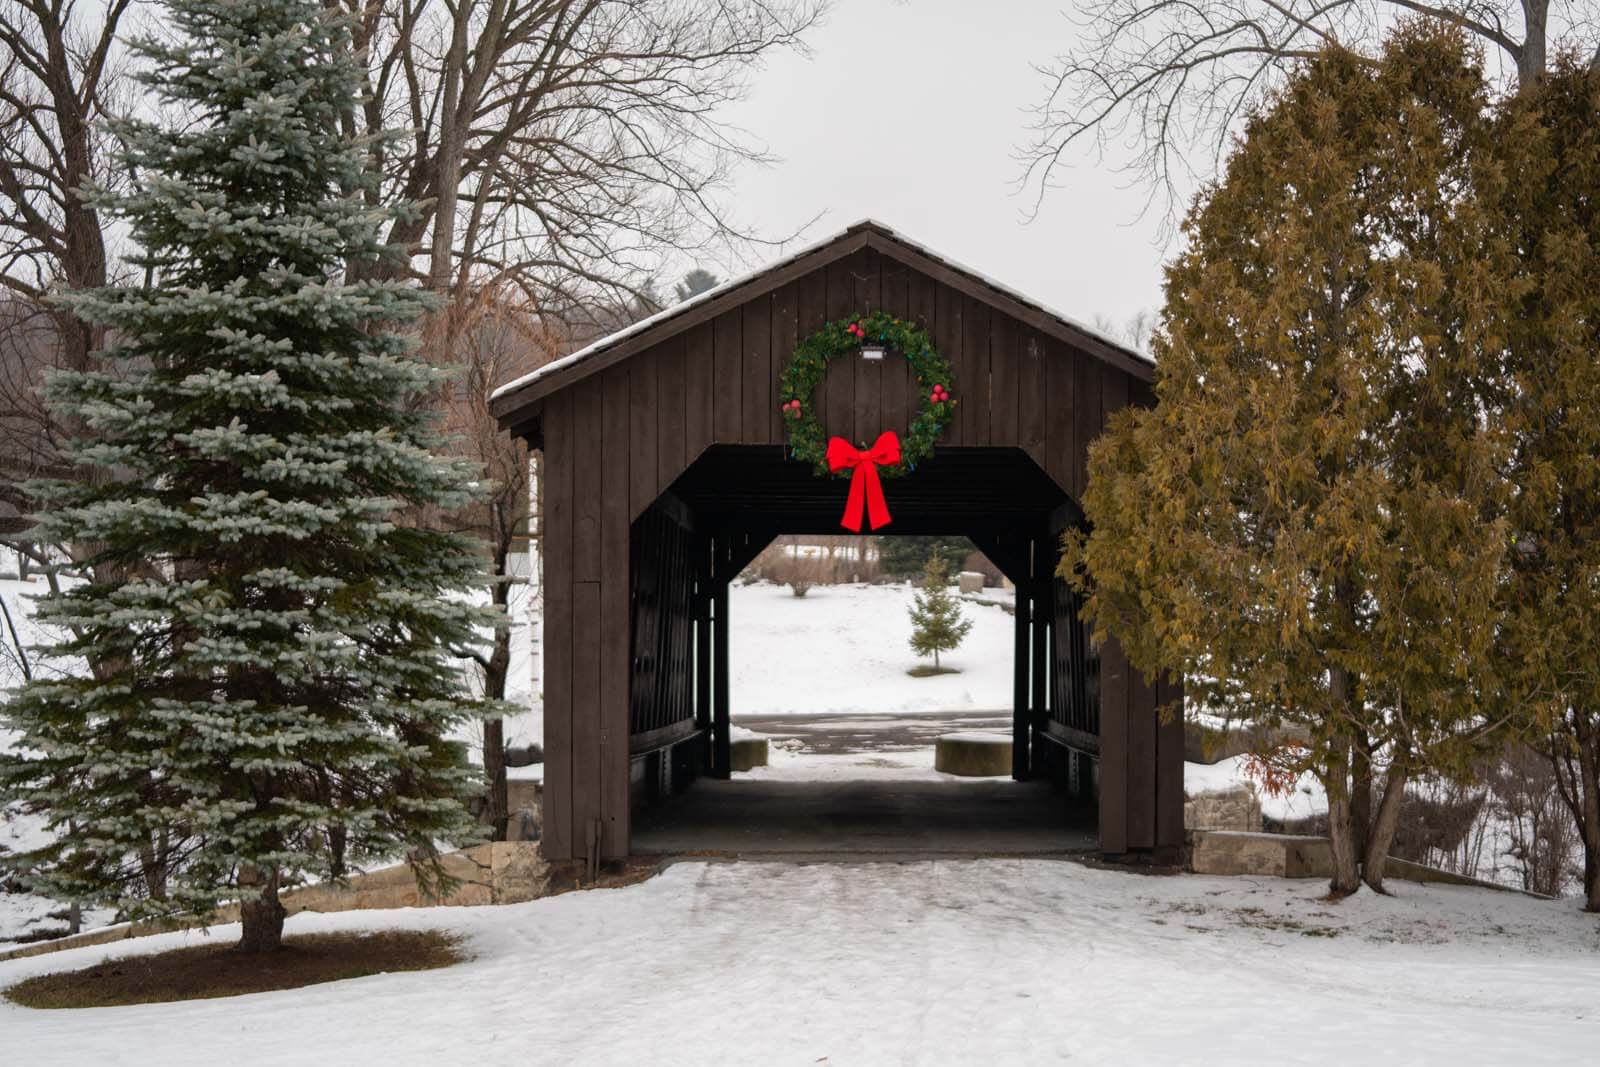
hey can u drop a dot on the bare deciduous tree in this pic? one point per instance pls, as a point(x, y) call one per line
point(1168, 81)
point(58, 72)
point(558, 147)
point(557, 150)
point(496, 340)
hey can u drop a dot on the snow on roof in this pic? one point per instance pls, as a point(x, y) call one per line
point(611, 340)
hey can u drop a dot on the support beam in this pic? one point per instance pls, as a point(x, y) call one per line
point(721, 723)
point(702, 633)
point(1041, 616)
point(1020, 718)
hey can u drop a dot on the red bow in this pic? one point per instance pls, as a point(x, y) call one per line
point(865, 488)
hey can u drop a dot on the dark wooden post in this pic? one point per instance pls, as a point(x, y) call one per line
point(1041, 615)
point(1020, 719)
point(702, 633)
point(721, 732)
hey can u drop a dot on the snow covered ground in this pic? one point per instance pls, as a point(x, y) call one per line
point(845, 648)
point(990, 961)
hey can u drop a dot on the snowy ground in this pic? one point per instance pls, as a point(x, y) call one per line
point(845, 648)
point(923, 963)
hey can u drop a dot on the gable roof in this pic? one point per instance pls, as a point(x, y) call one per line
point(517, 395)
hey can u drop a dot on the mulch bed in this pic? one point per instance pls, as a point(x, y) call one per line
point(208, 971)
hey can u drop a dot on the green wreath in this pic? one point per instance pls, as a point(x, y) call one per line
point(809, 365)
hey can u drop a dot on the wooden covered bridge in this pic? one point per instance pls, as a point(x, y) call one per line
point(666, 471)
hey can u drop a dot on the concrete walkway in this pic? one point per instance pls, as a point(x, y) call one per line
point(888, 732)
point(888, 818)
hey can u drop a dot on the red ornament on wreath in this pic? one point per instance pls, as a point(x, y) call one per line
point(892, 454)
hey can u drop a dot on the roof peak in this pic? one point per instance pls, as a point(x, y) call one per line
point(865, 232)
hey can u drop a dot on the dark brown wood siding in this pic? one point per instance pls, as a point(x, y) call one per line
point(616, 441)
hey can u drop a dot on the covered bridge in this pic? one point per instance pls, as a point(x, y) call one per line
point(666, 471)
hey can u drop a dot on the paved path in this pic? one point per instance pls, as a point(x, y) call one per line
point(859, 813)
point(839, 734)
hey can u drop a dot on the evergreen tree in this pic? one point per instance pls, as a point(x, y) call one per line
point(1305, 528)
point(694, 283)
point(276, 684)
point(936, 622)
point(908, 554)
point(1551, 219)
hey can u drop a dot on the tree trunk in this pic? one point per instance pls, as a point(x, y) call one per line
point(1346, 865)
point(1361, 791)
point(261, 917)
point(1381, 834)
point(1589, 795)
point(496, 812)
point(1341, 838)
point(495, 673)
point(1534, 56)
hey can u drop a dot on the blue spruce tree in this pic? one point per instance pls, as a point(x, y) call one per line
point(274, 689)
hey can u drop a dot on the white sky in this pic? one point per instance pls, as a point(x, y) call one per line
point(910, 112)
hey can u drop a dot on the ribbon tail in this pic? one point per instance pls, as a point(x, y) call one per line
point(877, 506)
point(857, 499)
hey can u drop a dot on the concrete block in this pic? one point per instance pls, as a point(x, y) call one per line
point(1229, 809)
point(747, 753)
point(973, 755)
point(1264, 855)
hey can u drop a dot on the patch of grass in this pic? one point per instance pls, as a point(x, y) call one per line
point(928, 672)
point(208, 971)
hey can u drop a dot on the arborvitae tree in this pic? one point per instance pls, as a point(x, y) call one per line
point(936, 622)
point(278, 681)
point(1305, 527)
point(1551, 219)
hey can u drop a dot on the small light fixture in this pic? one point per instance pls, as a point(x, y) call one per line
point(872, 351)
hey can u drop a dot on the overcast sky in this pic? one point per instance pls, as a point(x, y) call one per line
point(910, 112)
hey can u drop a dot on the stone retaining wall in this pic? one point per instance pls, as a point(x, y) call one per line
point(501, 872)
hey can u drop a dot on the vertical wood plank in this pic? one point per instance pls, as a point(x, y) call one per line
point(867, 413)
point(556, 488)
point(1020, 677)
point(811, 311)
point(587, 769)
point(616, 668)
point(1033, 395)
point(1113, 394)
point(727, 386)
point(702, 642)
point(757, 339)
point(1060, 415)
point(785, 317)
point(894, 283)
point(1082, 402)
point(587, 426)
point(1141, 762)
point(642, 409)
point(975, 362)
point(950, 336)
point(1003, 341)
point(671, 414)
point(721, 722)
point(1086, 427)
point(699, 373)
point(1044, 560)
point(921, 307)
point(839, 384)
point(1169, 772)
point(1113, 749)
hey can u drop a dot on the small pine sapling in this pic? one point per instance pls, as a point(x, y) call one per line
point(936, 622)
